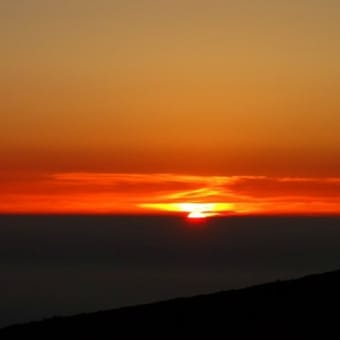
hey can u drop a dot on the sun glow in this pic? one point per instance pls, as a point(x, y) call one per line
point(194, 210)
point(197, 214)
point(198, 210)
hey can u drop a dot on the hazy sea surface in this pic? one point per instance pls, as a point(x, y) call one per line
point(60, 265)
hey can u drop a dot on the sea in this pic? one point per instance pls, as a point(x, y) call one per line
point(65, 265)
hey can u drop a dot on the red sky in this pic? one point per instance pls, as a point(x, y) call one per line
point(99, 91)
point(156, 193)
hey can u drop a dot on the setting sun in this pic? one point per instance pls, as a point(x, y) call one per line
point(198, 215)
point(199, 210)
point(194, 210)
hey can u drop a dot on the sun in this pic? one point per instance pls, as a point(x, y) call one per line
point(197, 215)
point(198, 210)
point(194, 210)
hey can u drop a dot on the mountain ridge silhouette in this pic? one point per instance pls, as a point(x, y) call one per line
point(305, 306)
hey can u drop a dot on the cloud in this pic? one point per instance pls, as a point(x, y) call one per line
point(272, 187)
point(80, 192)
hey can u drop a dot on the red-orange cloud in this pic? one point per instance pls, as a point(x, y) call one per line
point(120, 193)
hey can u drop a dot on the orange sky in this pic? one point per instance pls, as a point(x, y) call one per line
point(158, 193)
point(246, 88)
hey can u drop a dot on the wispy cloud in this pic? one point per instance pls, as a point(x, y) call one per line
point(80, 192)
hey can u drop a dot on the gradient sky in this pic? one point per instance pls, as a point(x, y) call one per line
point(203, 88)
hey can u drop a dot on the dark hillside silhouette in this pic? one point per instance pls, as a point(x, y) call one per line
point(304, 307)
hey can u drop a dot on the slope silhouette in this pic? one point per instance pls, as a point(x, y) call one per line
point(303, 307)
